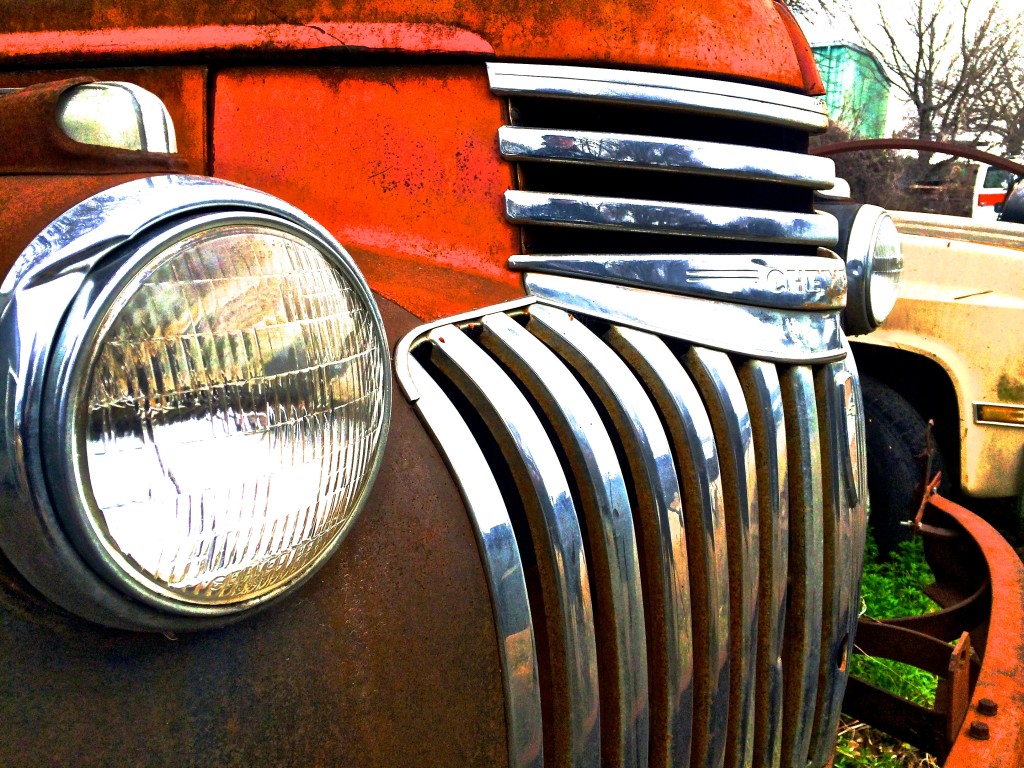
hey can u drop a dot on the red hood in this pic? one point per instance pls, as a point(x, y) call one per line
point(745, 39)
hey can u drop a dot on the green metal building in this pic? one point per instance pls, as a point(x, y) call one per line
point(857, 88)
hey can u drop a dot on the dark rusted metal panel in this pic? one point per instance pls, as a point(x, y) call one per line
point(182, 90)
point(745, 39)
point(386, 657)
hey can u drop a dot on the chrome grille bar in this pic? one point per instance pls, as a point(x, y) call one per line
point(842, 560)
point(659, 521)
point(702, 158)
point(693, 442)
point(615, 571)
point(681, 219)
point(718, 460)
point(803, 620)
point(503, 567)
point(674, 92)
point(544, 491)
point(763, 392)
point(730, 418)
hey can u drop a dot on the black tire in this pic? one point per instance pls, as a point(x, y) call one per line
point(896, 442)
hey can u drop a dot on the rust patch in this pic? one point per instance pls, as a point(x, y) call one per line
point(1010, 390)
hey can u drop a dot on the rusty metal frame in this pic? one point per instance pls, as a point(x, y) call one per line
point(978, 716)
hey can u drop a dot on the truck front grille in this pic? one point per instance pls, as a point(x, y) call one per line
point(629, 164)
point(671, 543)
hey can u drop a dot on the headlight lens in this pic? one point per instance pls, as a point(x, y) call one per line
point(225, 415)
point(886, 262)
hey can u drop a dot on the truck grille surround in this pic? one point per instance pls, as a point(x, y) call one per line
point(661, 448)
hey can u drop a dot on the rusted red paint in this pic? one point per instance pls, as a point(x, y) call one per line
point(182, 89)
point(744, 39)
point(400, 165)
point(238, 38)
point(813, 83)
point(1003, 653)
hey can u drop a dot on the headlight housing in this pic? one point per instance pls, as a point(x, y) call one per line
point(202, 409)
point(870, 245)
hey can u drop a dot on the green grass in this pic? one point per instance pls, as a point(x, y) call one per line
point(889, 588)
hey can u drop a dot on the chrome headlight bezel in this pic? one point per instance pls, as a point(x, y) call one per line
point(50, 303)
point(860, 230)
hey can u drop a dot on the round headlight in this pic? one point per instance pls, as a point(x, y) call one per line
point(215, 406)
point(870, 245)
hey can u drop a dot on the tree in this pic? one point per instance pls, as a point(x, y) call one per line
point(945, 60)
point(998, 117)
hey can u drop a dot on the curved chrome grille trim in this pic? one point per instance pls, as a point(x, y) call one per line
point(665, 218)
point(544, 490)
point(693, 442)
point(615, 569)
point(502, 566)
point(763, 392)
point(659, 521)
point(676, 92)
point(720, 387)
point(677, 155)
point(777, 429)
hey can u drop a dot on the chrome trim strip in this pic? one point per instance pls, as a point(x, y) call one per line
point(679, 92)
point(615, 567)
point(776, 281)
point(499, 554)
point(704, 510)
point(764, 398)
point(770, 334)
point(802, 645)
point(658, 518)
point(555, 532)
point(118, 115)
point(618, 150)
point(841, 574)
point(979, 404)
point(720, 387)
point(667, 218)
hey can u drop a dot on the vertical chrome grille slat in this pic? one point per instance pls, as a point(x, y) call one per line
point(614, 564)
point(503, 568)
point(557, 539)
point(704, 508)
point(841, 566)
point(802, 646)
point(722, 392)
point(659, 522)
point(764, 397)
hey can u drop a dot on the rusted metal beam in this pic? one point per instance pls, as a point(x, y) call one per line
point(920, 145)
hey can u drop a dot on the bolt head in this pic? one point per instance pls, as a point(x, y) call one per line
point(979, 731)
point(987, 707)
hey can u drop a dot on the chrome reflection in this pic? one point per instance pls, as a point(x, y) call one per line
point(657, 153)
point(704, 510)
point(720, 387)
point(667, 218)
point(503, 568)
point(659, 522)
point(604, 503)
point(777, 281)
point(673, 92)
point(556, 535)
point(769, 334)
point(117, 115)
